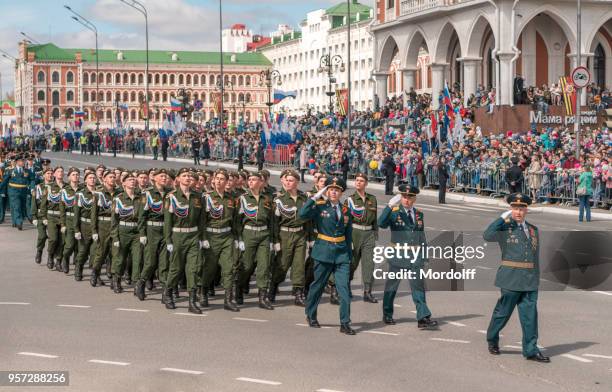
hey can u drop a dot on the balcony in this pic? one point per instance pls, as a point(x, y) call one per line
point(408, 7)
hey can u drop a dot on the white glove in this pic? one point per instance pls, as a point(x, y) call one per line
point(45, 222)
point(277, 247)
point(77, 236)
point(204, 244)
point(143, 240)
point(35, 222)
point(236, 244)
point(94, 237)
point(241, 246)
point(310, 244)
point(116, 244)
point(170, 247)
point(506, 214)
point(394, 200)
point(63, 230)
point(319, 194)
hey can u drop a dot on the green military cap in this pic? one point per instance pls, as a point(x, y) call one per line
point(107, 173)
point(90, 168)
point(151, 171)
point(361, 175)
point(57, 168)
point(519, 200)
point(188, 171)
point(256, 174)
point(100, 167)
point(142, 173)
point(335, 182)
point(265, 173)
point(89, 173)
point(290, 173)
point(408, 190)
point(171, 173)
point(73, 170)
point(222, 171)
point(47, 169)
point(126, 175)
point(160, 171)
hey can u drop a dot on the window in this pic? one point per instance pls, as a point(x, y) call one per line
point(109, 78)
point(117, 78)
point(125, 96)
point(85, 97)
point(390, 4)
point(69, 77)
point(109, 115)
point(164, 79)
point(125, 78)
point(70, 96)
point(55, 77)
point(172, 79)
point(133, 97)
point(156, 78)
point(132, 79)
point(41, 96)
point(248, 80)
point(93, 78)
point(181, 80)
point(188, 80)
point(55, 113)
point(86, 78)
point(109, 96)
point(40, 77)
point(196, 80)
point(140, 78)
point(55, 98)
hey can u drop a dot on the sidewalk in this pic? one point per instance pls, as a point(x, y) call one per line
point(466, 198)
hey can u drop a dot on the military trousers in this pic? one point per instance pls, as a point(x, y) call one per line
point(70, 243)
point(104, 245)
point(3, 202)
point(27, 212)
point(256, 257)
point(17, 202)
point(363, 251)
point(155, 255)
point(292, 255)
point(55, 241)
point(220, 254)
point(322, 271)
point(128, 251)
point(184, 259)
point(417, 287)
point(87, 246)
point(41, 237)
point(526, 302)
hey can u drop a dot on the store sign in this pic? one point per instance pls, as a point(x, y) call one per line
point(586, 118)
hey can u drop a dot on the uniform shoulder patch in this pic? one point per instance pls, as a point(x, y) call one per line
point(395, 209)
point(320, 202)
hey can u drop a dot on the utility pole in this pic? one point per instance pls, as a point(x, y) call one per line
point(348, 62)
point(221, 55)
point(579, 90)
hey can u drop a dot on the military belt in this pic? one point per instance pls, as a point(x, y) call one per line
point(20, 186)
point(104, 218)
point(256, 228)
point(69, 213)
point(184, 229)
point(360, 227)
point(51, 212)
point(156, 224)
point(128, 224)
point(86, 220)
point(517, 264)
point(291, 229)
point(218, 231)
point(331, 239)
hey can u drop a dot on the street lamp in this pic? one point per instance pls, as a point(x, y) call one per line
point(138, 6)
point(326, 65)
point(221, 86)
point(17, 65)
point(90, 26)
point(267, 79)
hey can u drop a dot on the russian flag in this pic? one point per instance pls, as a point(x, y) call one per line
point(175, 104)
point(449, 111)
point(79, 114)
point(279, 95)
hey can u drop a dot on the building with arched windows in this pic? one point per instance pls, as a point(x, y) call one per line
point(55, 82)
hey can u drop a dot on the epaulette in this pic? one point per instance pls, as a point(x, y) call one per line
point(320, 202)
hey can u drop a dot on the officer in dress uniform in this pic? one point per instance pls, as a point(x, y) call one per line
point(518, 276)
point(331, 252)
point(19, 180)
point(407, 227)
point(37, 196)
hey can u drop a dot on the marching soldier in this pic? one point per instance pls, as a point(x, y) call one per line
point(143, 182)
point(83, 220)
point(184, 237)
point(220, 240)
point(101, 221)
point(289, 234)
point(407, 227)
point(124, 232)
point(37, 197)
point(518, 276)
point(267, 188)
point(363, 208)
point(151, 228)
point(254, 229)
point(18, 180)
point(67, 207)
point(331, 251)
point(51, 218)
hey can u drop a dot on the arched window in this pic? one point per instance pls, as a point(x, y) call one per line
point(109, 115)
point(85, 78)
point(133, 115)
point(41, 95)
point(69, 77)
point(117, 78)
point(196, 96)
point(240, 80)
point(165, 97)
point(248, 97)
point(211, 80)
point(218, 82)
point(140, 78)
point(133, 97)
point(247, 80)
point(40, 77)
point(241, 97)
point(70, 96)
point(196, 80)
point(125, 78)
point(132, 79)
point(156, 78)
point(181, 79)
point(93, 78)
point(55, 77)
point(125, 96)
point(85, 96)
point(225, 79)
point(188, 79)
point(55, 98)
point(117, 96)
point(150, 79)
point(156, 97)
point(109, 96)
point(164, 79)
point(233, 80)
point(233, 97)
point(172, 79)
point(109, 78)
point(55, 113)
point(101, 96)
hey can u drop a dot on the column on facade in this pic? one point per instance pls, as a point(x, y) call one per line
point(471, 66)
point(381, 87)
point(583, 62)
point(506, 77)
point(409, 78)
point(437, 82)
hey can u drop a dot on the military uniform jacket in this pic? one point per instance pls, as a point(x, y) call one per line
point(124, 214)
point(405, 230)
point(254, 212)
point(86, 201)
point(183, 212)
point(103, 207)
point(152, 210)
point(37, 196)
point(52, 199)
point(68, 206)
point(363, 211)
point(19, 178)
point(221, 212)
point(286, 213)
point(516, 246)
point(325, 219)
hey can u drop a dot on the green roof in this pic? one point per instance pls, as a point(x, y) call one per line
point(50, 52)
point(9, 101)
point(341, 9)
point(286, 37)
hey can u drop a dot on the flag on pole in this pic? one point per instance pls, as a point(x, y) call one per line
point(569, 95)
point(449, 111)
point(342, 101)
point(79, 114)
point(279, 95)
point(175, 104)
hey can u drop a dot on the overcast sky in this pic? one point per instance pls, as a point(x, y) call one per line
point(173, 24)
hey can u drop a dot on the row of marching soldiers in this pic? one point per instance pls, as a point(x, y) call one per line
point(190, 229)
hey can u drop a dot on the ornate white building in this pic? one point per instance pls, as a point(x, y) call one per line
point(487, 42)
point(297, 56)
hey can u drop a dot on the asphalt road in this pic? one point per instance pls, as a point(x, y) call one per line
point(112, 342)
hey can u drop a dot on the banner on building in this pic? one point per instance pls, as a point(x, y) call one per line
point(569, 95)
point(342, 101)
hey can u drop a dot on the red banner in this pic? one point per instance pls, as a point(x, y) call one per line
point(342, 101)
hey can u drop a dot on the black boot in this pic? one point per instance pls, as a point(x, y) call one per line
point(427, 323)
point(211, 292)
point(193, 302)
point(163, 297)
point(228, 304)
point(204, 301)
point(139, 290)
point(333, 296)
point(78, 272)
point(112, 283)
point(346, 329)
point(239, 294)
point(299, 297)
point(367, 294)
point(272, 293)
point(117, 289)
point(38, 258)
point(176, 292)
point(100, 281)
point(66, 265)
point(150, 285)
point(264, 302)
point(169, 300)
point(93, 279)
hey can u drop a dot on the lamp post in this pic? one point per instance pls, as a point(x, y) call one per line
point(138, 6)
point(242, 103)
point(221, 86)
point(157, 109)
point(267, 79)
point(90, 26)
point(17, 65)
point(326, 65)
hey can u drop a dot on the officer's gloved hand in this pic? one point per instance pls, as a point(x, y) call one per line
point(143, 240)
point(394, 200)
point(35, 222)
point(319, 194)
point(45, 222)
point(63, 230)
point(170, 247)
point(94, 237)
point(77, 236)
point(506, 214)
point(116, 244)
point(204, 244)
point(277, 247)
point(241, 246)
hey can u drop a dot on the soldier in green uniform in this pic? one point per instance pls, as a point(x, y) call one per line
point(518, 276)
point(331, 251)
point(407, 227)
point(220, 240)
point(289, 234)
point(124, 232)
point(254, 230)
point(19, 179)
point(101, 221)
point(150, 226)
point(67, 215)
point(363, 207)
point(37, 196)
point(51, 218)
point(184, 237)
point(267, 188)
point(86, 200)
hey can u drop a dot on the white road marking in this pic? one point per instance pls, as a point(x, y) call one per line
point(482, 331)
point(37, 355)
point(382, 333)
point(258, 381)
point(191, 314)
point(602, 292)
point(73, 306)
point(14, 303)
point(327, 390)
point(450, 340)
point(577, 358)
point(185, 371)
point(250, 319)
point(517, 347)
point(456, 324)
point(597, 356)
point(132, 310)
point(397, 305)
point(108, 362)
point(306, 325)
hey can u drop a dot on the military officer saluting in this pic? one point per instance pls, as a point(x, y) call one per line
point(518, 276)
point(407, 228)
point(331, 252)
